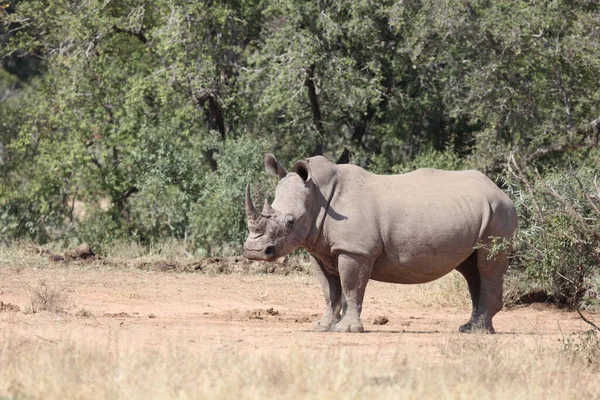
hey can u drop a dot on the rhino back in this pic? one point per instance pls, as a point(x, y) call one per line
point(416, 226)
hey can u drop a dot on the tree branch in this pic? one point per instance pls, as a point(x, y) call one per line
point(523, 178)
point(344, 157)
point(120, 202)
point(566, 100)
point(596, 125)
point(137, 34)
point(361, 128)
point(314, 105)
point(560, 86)
point(568, 207)
point(587, 320)
point(557, 148)
point(96, 162)
point(585, 193)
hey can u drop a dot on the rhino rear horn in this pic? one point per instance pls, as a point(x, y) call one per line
point(267, 210)
point(250, 209)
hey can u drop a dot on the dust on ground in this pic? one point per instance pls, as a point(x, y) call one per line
point(147, 308)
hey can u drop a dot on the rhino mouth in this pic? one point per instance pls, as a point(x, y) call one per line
point(267, 253)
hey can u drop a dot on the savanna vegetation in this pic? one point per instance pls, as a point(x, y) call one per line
point(143, 120)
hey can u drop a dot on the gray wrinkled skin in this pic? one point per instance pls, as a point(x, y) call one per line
point(410, 228)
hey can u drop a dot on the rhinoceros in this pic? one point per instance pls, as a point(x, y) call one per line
point(407, 228)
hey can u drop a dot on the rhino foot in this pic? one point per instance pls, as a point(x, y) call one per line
point(349, 325)
point(471, 327)
point(324, 325)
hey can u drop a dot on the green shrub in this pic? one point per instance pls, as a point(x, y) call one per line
point(557, 244)
point(218, 217)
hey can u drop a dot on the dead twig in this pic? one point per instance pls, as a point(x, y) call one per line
point(585, 193)
point(523, 178)
point(45, 340)
point(587, 320)
point(568, 208)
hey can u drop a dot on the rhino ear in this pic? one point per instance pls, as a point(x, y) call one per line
point(303, 170)
point(273, 167)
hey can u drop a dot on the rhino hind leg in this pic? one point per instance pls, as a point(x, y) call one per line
point(469, 271)
point(487, 301)
point(492, 278)
point(332, 293)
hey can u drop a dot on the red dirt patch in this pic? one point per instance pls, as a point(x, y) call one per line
point(247, 312)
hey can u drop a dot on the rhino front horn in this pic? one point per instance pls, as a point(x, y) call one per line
point(267, 210)
point(250, 209)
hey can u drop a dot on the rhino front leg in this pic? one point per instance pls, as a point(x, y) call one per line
point(355, 272)
point(332, 292)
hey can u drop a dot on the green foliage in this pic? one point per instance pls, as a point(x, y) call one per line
point(219, 217)
point(558, 241)
point(153, 116)
point(431, 158)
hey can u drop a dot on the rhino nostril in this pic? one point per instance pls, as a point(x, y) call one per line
point(270, 250)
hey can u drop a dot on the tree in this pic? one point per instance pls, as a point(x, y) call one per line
point(163, 108)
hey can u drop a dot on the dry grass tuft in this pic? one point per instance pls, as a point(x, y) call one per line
point(475, 345)
point(482, 366)
point(449, 291)
point(83, 313)
point(45, 297)
point(174, 250)
point(18, 257)
point(583, 346)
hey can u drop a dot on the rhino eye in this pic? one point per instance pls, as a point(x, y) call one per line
point(289, 221)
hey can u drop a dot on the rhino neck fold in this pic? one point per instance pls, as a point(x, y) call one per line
point(314, 241)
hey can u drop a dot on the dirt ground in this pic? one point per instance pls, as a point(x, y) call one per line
point(242, 312)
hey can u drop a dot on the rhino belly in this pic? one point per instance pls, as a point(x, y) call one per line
point(420, 268)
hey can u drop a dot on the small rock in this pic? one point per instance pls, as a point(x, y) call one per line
point(381, 320)
point(83, 252)
point(254, 314)
point(166, 266)
point(56, 258)
point(83, 313)
point(151, 315)
point(117, 315)
point(303, 320)
point(272, 311)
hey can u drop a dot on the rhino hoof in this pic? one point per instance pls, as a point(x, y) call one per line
point(349, 327)
point(326, 324)
point(470, 327)
point(322, 326)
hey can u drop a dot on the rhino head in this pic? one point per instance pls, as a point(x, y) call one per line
point(281, 227)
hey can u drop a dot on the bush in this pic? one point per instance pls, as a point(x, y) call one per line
point(557, 244)
point(218, 217)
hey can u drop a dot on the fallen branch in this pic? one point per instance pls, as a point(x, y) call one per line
point(587, 320)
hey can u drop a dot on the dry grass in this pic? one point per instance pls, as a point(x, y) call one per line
point(448, 291)
point(175, 250)
point(46, 297)
point(19, 257)
point(463, 366)
point(477, 366)
point(583, 346)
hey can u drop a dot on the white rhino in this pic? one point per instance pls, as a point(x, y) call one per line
point(408, 228)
